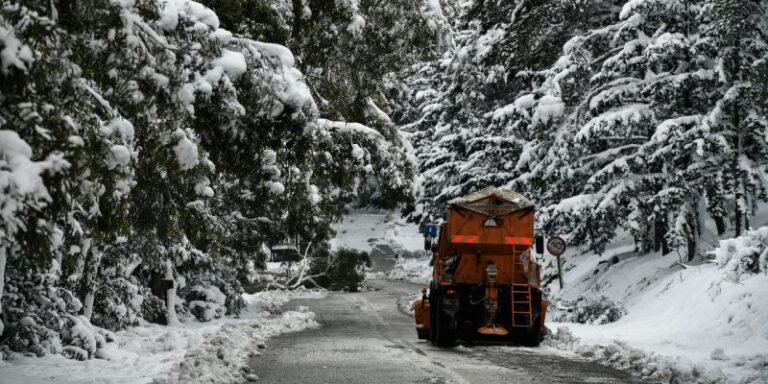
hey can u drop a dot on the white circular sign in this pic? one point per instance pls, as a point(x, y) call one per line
point(556, 246)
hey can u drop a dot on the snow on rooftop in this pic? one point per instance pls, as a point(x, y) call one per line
point(507, 195)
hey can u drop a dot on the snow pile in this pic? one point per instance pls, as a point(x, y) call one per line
point(747, 254)
point(223, 357)
point(595, 309)
point(406, 303)
point(697, 324)
point(619, 355)
point(415, 270)
point(212, 352)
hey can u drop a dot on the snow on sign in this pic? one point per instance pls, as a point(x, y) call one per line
point(556, 246)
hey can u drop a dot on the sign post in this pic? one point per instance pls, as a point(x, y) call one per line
point(556, 247)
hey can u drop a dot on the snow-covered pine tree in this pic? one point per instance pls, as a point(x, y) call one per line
point(734, 129)
point(469, 95)
point(111, 114)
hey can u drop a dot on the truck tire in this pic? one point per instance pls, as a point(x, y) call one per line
point(432, 312)
point(445, 332)
point(533, 337)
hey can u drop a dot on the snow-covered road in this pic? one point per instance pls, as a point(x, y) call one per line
point(364, 338)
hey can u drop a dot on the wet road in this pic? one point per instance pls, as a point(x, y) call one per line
point(364, 338)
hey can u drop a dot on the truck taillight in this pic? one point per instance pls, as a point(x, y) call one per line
point(450, 292)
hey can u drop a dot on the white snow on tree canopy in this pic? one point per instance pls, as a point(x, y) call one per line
point(171, 10)
point(287, 81)
point(314, 195)
point(186, 151)
point(21, 181)
point(121, 126)
point(233, 63)
point(620, 119)
point(357, 152)
point(548, 109)
point(276, 188)
point(633, 7)
point(19, 173)
point(14, 53)
point(343, 126)
point(120, 156)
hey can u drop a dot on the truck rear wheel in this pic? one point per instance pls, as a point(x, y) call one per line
point(445, 332)
point(432, 312)
point(532, 337)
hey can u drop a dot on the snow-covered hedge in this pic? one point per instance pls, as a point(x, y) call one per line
point(746, 254)
point(595, 309)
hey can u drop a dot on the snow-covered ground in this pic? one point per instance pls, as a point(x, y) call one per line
point(213, 352)
point(692, 323)
point(416, 270)
point(363, 229)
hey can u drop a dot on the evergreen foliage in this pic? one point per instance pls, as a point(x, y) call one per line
point(637, 116)
point(150, 157)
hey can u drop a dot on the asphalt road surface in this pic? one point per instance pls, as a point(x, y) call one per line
point(364, 338)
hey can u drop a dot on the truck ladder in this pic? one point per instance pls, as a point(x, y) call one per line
point(522, 313)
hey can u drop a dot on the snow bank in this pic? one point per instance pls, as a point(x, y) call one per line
point(744, 255)
point(695, 324)
point(415, 270)
point(214, 352)
point(362, 229)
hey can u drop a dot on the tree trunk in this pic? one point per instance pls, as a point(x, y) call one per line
point(659, 238)
point(297, 30)
point(170, 300)
point(720, 224)
point(691, 247)
point(739, 209)
point(3, 259)
point(90, 277)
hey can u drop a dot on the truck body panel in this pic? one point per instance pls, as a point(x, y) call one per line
point(485, 282)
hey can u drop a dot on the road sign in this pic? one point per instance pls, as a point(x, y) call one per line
point(556, 246)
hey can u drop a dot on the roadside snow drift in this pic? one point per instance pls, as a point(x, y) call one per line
point(213, 352)
point(705, 323)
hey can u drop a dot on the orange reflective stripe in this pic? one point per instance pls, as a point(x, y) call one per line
point(519, 240)
point(465, 239)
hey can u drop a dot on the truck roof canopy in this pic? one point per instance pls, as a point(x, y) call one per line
point(492, 198)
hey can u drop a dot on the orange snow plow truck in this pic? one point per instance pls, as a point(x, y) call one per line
point(485, 284)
